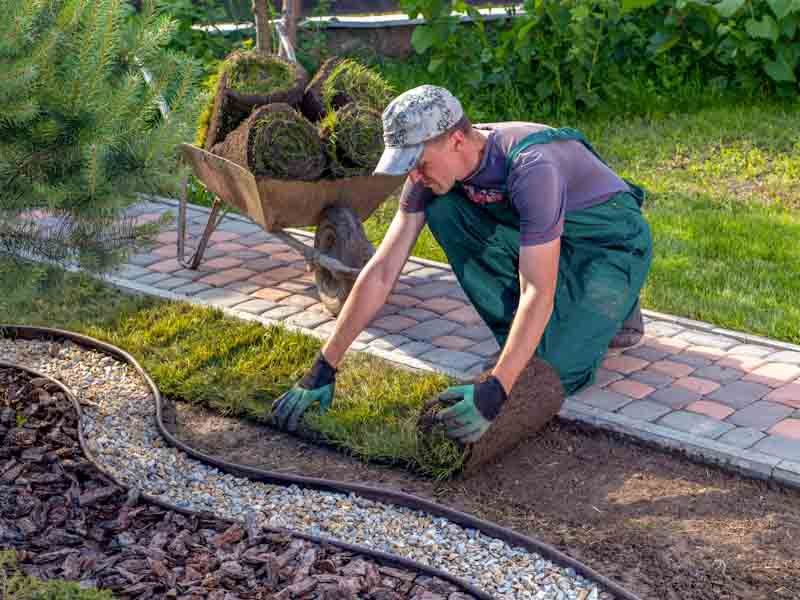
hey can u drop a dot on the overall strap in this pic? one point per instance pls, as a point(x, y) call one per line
point(545, 137)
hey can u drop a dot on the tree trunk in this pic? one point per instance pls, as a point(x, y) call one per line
point(263, 39)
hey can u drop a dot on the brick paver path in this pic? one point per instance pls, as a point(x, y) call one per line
point(719, 395)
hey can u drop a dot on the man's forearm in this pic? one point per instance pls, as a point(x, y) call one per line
point(532, 316)
point(365, 300)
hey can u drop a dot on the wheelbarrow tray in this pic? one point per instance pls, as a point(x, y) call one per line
point(276, 203)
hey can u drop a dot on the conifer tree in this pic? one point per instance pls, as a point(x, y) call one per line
point(82, 132)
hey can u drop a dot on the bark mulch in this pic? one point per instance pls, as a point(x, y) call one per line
point(66, 520)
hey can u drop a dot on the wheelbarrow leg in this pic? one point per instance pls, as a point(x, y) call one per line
point(214, 218)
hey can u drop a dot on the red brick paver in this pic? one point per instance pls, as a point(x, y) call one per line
point(697, 384)
point(223, 262)
point(223, 236)
point(788, 394)
point(741, 362)
point(789, 428)
point(272, 294)
point(279, 274)
point(229, 247)
point(270, 248)
point(665, 344)
point(624, 364)
point(632, 388)
point(465, 316)
point(671, 368)
point(223, 278)
point(299, 300)
point(394, 323)
point(711, 409)
point(774, 374)
point(166, 266)
point(403, 300)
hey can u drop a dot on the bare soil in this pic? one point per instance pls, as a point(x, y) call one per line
point(661, 525)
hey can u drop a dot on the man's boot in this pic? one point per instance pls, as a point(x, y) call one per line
point(631, 331)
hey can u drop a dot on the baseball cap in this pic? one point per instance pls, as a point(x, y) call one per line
point(411, 119)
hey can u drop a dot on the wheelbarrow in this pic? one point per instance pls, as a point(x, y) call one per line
point(337, 207)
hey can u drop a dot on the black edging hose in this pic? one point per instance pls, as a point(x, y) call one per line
point(373, 493)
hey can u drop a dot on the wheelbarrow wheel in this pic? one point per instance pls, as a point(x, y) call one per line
point(341, 236)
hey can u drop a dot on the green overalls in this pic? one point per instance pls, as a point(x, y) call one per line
point(606, 252)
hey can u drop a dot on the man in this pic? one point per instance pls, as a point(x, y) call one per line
point(547, 242)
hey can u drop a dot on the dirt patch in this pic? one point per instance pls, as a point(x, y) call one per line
point(664, 527)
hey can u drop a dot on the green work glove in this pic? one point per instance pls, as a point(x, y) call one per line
point(317, 386)
point(471, 409)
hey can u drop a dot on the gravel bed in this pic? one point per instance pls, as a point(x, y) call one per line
point(119, 426)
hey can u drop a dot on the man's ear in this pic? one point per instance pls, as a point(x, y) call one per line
point(458, 139)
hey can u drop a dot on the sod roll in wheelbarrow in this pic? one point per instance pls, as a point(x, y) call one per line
point(536, 398)
point(278, 142)
point(339, 82)
point(248, 79)
point(353, 138)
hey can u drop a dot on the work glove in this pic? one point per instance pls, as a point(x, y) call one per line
point(471, 409)
point(316, 386)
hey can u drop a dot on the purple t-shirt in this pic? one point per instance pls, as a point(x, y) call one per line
point(545, 181)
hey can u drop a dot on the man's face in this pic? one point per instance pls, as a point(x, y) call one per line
point(440, 164)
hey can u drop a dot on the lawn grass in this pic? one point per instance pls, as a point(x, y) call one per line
point(238, 368)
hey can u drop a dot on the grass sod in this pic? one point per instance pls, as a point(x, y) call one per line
point(15, 585)
point(238, 368)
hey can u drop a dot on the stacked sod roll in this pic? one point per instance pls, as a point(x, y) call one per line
point(267, 117)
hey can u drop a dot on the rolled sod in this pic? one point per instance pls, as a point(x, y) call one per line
point(249, 79)
point(537, 397)
point(276, 141)
point(353, 138)
point(350, 81)
point(313, 106)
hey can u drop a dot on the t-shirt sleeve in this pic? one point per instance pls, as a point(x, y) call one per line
point(414, 196)
point(538, 192)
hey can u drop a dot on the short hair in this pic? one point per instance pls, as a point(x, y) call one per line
point(464, 125)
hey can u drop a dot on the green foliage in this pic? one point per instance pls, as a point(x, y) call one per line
point(81, 130)
point(17, 586)
point(569, 55)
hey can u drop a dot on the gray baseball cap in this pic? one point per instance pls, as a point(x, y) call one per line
point(411, 119)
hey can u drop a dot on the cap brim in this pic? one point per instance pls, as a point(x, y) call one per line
point(399, 161)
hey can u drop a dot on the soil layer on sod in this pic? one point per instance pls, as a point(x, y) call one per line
point(661, 525)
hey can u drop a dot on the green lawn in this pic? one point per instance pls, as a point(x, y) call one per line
point(238, 368)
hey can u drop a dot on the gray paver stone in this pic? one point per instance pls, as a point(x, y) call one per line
point(697, 338)
point(170, 283)
point(389, 342)
point(255, 239)
point(153, 278)
point(369, 334)
point(256, 306)
point(674, 396)
point(650, 377)
point(602, 398)
point(130, 272)
point(243, 287)
point(786, 356)
point(457, 293)
point(283, 311)
point(742, 437)
point(311, 320)
point(739, 394)
point(760, 415)
point(238, 227)
point(788, 471)
point(386, 310)
point(647, 353)
point(190, 289)
point(430, 272)
point(485, 348)
point(695, 424)
point(691, 359)
point(418, 314)
point(476, 332)
point(430, 329)
point(247, 256)
point(603, 377)
point(753, 350)
point(429, 290)
point(414, 349)
point(326, 328)
point(644, 410)
point(451, 359)
point(780, 446)
point(222, 297)
point(145, 260)
point(719, 374)
point(662, 329)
